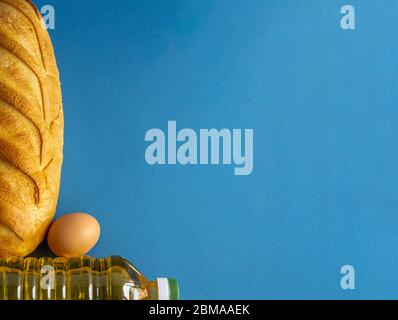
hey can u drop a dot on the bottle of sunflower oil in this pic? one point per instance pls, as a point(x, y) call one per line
point(81, 278)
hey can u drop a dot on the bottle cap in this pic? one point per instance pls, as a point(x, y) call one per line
point(168, 289)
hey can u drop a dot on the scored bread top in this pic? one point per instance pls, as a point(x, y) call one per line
point(31, 128)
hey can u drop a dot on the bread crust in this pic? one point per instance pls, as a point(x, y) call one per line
point(31, 129)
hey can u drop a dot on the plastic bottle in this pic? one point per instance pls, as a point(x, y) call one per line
point(82, 278)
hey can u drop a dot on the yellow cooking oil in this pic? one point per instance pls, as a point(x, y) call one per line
point(80, 278)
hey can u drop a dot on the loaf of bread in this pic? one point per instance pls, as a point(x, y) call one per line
point(31, 129)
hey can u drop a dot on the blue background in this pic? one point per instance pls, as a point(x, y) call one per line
point(322, 102)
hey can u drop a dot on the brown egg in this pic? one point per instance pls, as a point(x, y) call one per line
point(73, 235)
